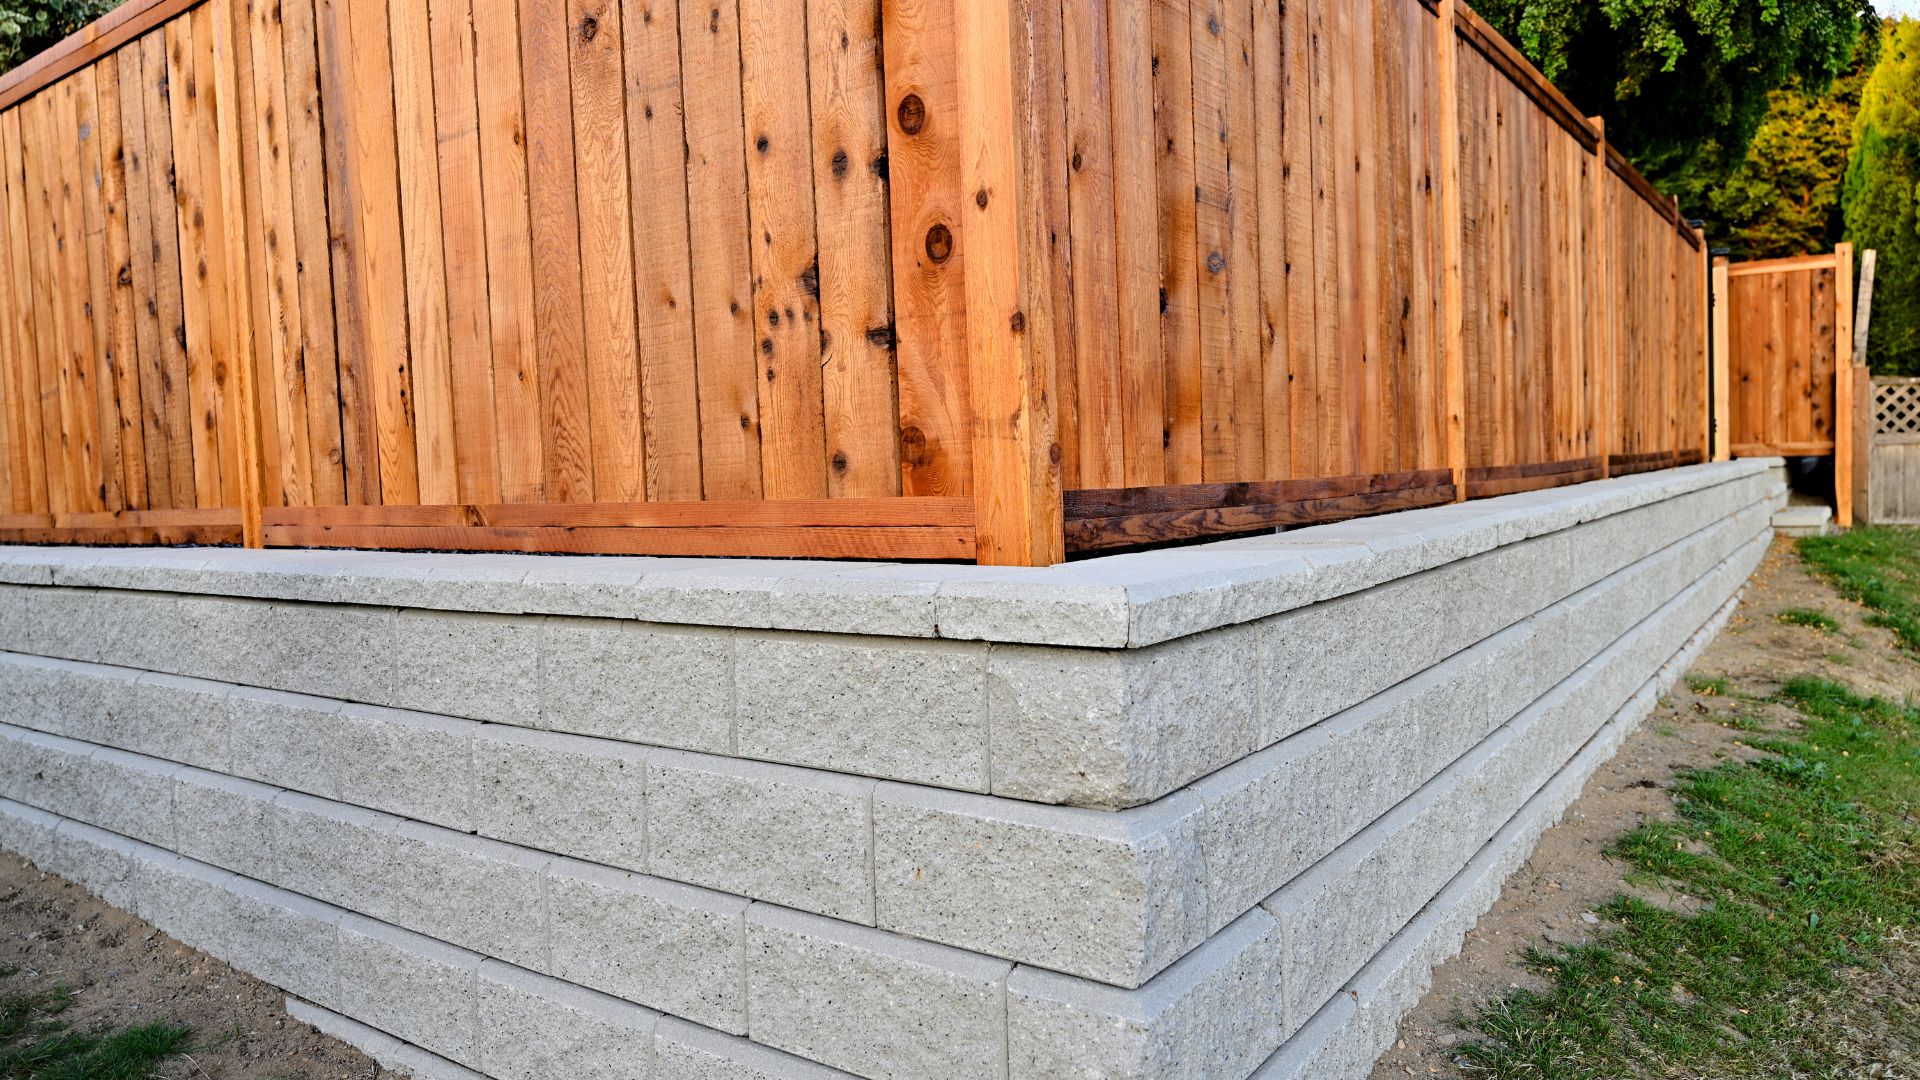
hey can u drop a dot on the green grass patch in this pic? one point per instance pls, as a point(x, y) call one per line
point(37, 1044)
point(1714, 687)
point(1805, 859)
point(1878, 567)
point(1807, 617)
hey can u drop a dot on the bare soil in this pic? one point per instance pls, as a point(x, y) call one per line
point(1553, 896)
point(126, 972)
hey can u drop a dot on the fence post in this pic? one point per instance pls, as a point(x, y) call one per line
point(1705, 372)
point(1843, 464)
point(1016, 459)
point(1453, 242)
point(233, 212)
point(1721, 425)
point(1600, 314)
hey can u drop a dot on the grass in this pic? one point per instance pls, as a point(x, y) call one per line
point(1705, 687)
point(36, 1044)
point(1878, 567)
point(1808, 863)
point(1813, 620)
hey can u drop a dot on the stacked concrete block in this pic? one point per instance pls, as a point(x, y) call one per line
point(1206, 812)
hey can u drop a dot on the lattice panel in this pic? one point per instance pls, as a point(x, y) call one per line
point(1896, 406)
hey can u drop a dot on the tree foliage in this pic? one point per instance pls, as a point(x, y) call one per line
point(1784, 198)
point(1683, 84)
point(1879, 198)
point(28, 26)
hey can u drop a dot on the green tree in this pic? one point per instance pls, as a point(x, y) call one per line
point(1879, 197)
point(1784, 198)
point(1683, 84)
point(28, 26)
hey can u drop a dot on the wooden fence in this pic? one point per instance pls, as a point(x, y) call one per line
point(1785, 340)
point(1893, 463)
point(967, 279)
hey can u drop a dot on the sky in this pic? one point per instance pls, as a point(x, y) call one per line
point(1909, 8)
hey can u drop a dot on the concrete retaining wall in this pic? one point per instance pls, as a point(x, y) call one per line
point(1205, 812)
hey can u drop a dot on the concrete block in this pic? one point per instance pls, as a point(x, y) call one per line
point(331, 852)
point(533, 1027)
point(1275, 813)
point(283, 939)
point(875, 1004)
point(329, 650)
point(684, 1051)
point(287, 740)
point(54, 696)
point(401, 1058)
point(1116, 729)
point(189, 901)
point(414, 764)
point(411, 987)
point(28, 832)
point(44, 771)
point(664, 945)
point(167, 716)
point(903, 710)
point(126, 793)
point(772, 832)
point(102, 861)
point(562, 793)
point(223, 820)
point(1215, 1013)
point(660, 685)
point(479, 894)
point(1033, 606)
point(484, 667)
point(1112, 897)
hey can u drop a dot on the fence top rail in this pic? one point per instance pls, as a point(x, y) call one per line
point(85, 45)
point(1783, 264)
point(1502, 54)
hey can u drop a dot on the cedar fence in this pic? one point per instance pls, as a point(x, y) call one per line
point(993, 280)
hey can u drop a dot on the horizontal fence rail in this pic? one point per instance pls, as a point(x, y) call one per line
point(994, 280)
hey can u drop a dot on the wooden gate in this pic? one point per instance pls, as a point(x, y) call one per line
point(1783, 342)
point(1893, 459)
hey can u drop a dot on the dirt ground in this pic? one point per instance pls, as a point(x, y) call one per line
point(1552, 897)
point(126, 972)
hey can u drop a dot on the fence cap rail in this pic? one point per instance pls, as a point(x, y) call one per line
point(87, 44)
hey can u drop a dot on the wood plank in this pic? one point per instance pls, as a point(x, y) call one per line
point(946, 542)
point(657, 141)
point(49, 326)
point(92, 442)
point(846, 82)
point(1015, 484)
point(1250, 340)
point(786, 267)
point(606, 253)
point(1179, 244)
point(143, 305)
point(1213, 242)
point(360, 439)
point(122, 350)
point(753, 513)
point(313, 263)
point(1452, 245)
point(283, 389)
point(1299, 203)
point(928, 276)
point(429, 341)
point(230, 46)
point(554, 216)
point(1136, 243)
point(509, 238)
point(1100, 370)
point(22, 328)
point(1095, 534)
point(463, 225)
point(1169, 498)
point(722, 264)
point(172, 407)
